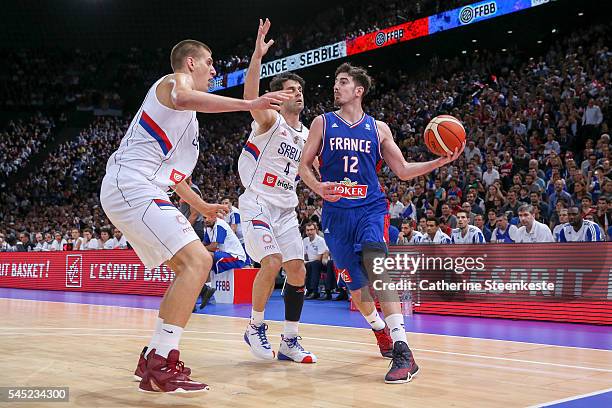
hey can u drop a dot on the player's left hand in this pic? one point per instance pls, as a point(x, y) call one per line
point(211, 211)
point(451, 157)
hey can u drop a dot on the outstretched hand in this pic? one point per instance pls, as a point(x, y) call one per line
point(213, 210)
point(451, 157)
point(261, 45)
point(271, 100)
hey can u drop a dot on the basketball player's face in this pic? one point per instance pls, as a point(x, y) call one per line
point(296, 103)
point(345, 89)
point(203, 71)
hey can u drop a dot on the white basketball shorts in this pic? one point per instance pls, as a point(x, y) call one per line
point(268, 229)
point(151, 224)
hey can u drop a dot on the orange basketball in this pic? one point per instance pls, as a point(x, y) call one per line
point(443, 134)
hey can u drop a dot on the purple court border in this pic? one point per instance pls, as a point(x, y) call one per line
point(338, 314)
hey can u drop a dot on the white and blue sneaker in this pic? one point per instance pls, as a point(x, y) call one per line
point(255, 337)
point(291, 350)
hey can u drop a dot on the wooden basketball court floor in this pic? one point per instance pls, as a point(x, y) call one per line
point(93, 349)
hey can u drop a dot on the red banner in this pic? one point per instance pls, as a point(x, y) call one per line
point(388, 36)
point(111, 271)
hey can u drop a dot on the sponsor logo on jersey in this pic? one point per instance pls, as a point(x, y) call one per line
point(176, 176)
point(351, 190)
point(270, 179)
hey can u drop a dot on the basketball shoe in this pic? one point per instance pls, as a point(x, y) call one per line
point(168, 376)
point(142, 366)
point(384, 341)
point(255, 337)
point(291, 350)
point(403, 367)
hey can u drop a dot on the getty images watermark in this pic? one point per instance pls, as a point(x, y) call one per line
point(411, 264)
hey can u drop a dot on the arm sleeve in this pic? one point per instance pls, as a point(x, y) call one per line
point(221, 234)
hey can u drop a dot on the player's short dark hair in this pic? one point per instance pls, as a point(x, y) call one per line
point(462, 211)
point(276, 84)
point(310, 224)
point(184, 49)
point(434, 219)
point(88, 230)
point(359, 75)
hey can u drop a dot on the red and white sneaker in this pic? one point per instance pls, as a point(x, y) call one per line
point(142, 366)
point(384, 341)
point(167, 376)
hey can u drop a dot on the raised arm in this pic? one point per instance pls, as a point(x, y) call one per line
point(395, 160)
point(309, 154)
point(185, 97)
point(264, 118)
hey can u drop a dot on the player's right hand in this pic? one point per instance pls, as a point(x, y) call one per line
point(211, 211)
point(329, 191)
point(271, 100)
point(261, 45)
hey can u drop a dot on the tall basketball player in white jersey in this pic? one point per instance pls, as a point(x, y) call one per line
point(268, 171)
point(158, 153)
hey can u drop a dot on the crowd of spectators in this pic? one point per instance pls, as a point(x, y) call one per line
point(92, 79)
point(537, 134)
point(20, 139)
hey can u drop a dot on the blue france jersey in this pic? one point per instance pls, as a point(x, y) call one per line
point(350, 155)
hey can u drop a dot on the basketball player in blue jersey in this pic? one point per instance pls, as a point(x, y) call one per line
point(351, 147)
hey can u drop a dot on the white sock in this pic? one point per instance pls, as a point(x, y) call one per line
point(290, 330)
point(396, 327)
point(257, 318)
point(375, 321)
point(169, 339)
point(153, 344)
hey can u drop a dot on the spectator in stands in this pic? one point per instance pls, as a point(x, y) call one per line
point(476, 207)
point(105, 240)
point(396, 208)
point(480, 223)
point(591, 120)
point(578, 229)
point(40, 242)
point(75, 240)
point(603, 215)
point(489, 176)
point(512, 203)
point(434, 234)
point(59, 243)
point(531, 230)
point(48, 242)
point(563, 219)
point(4, 245)
point(504, 232)
point(558, 194)
point(316, 256)
point(490, 225)
point(447, 216)
point(89, 241)
point(118, 241)
point(408, 235)
point(24, 244)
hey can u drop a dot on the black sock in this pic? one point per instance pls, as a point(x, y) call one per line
point(294, 301)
